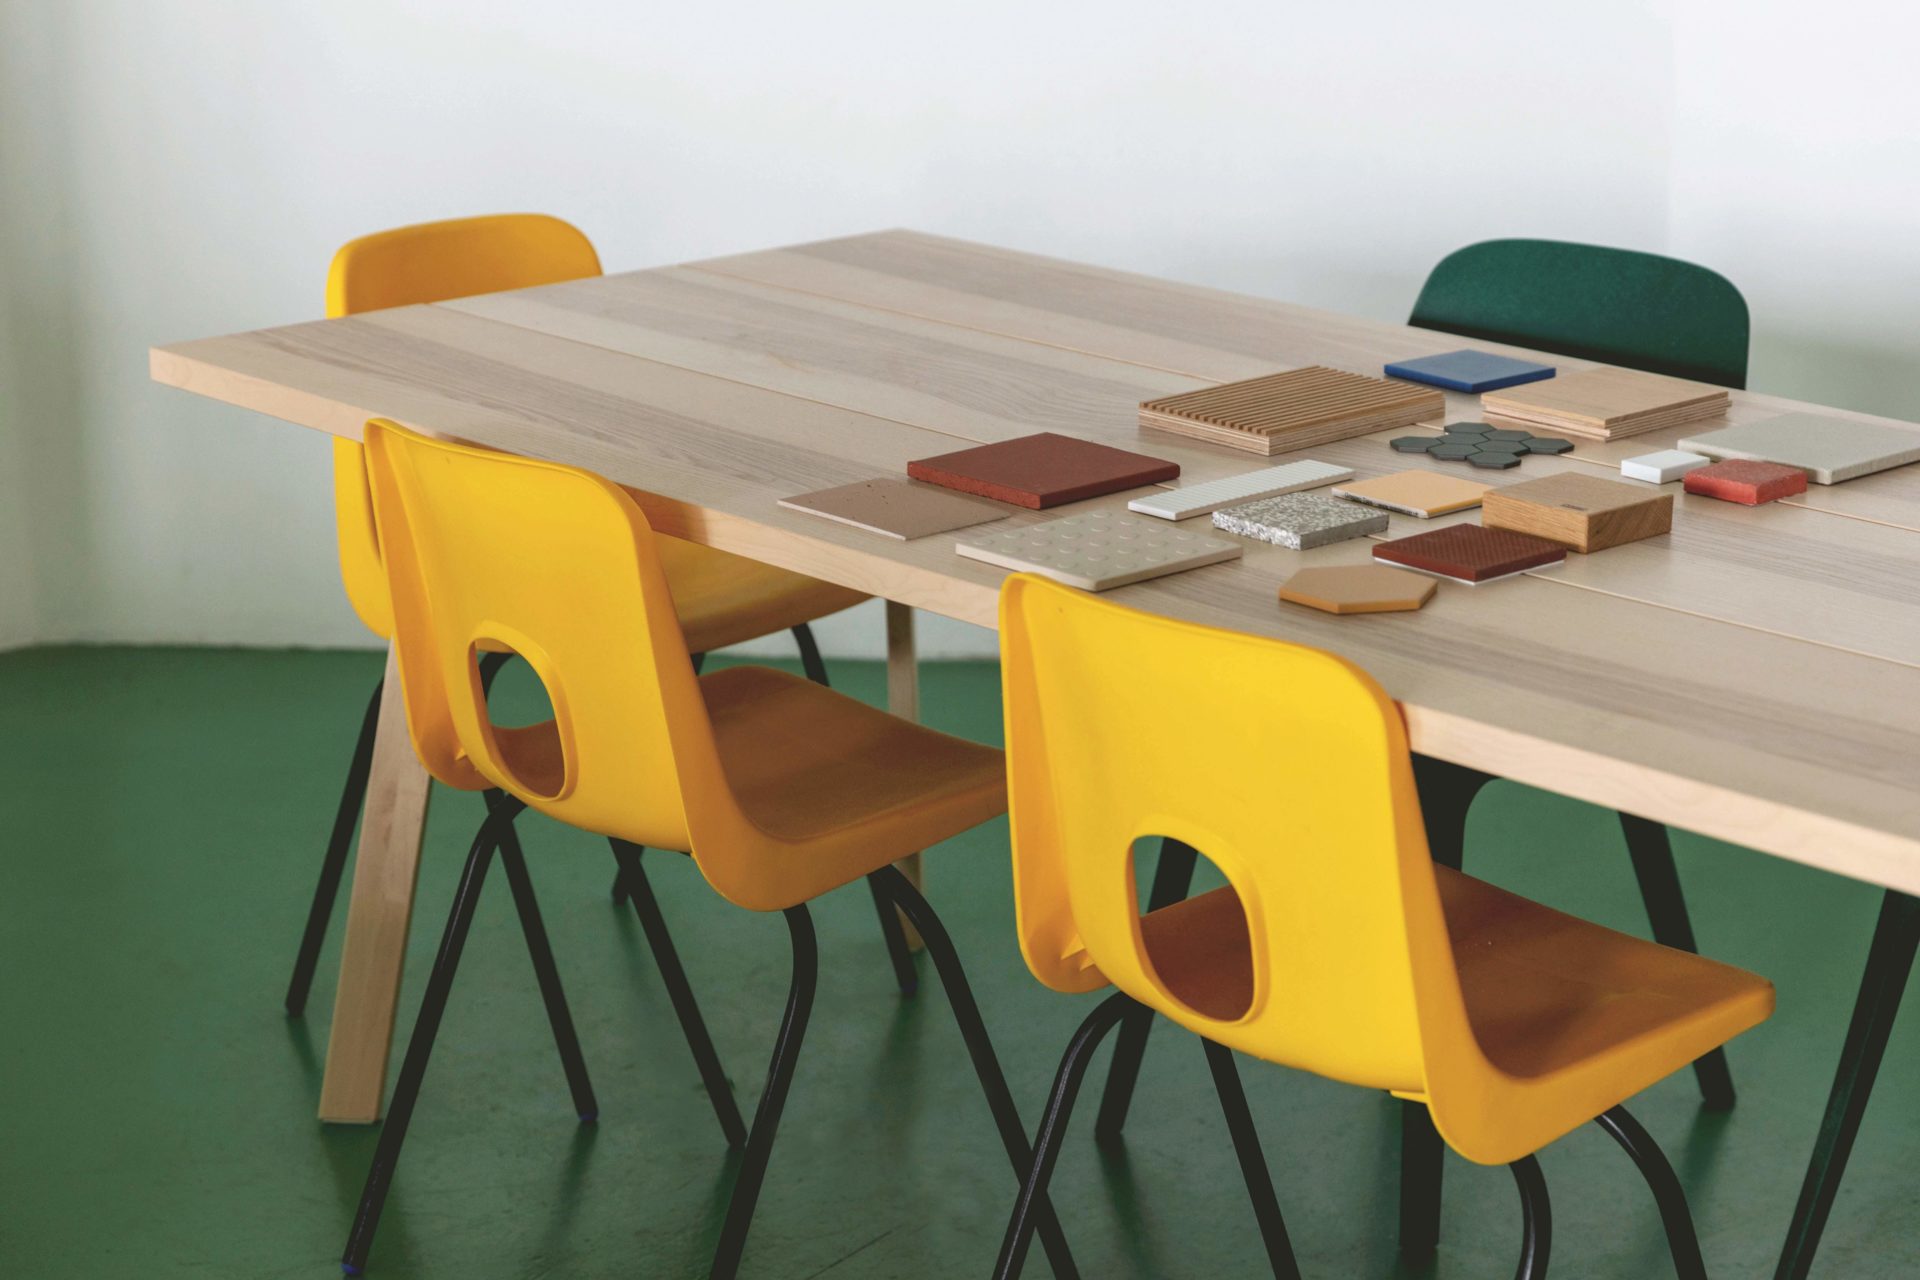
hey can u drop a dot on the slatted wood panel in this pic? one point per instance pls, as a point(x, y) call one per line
point(1724, 677)
point(1294, 409)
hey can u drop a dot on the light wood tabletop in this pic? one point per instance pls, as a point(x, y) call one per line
point(1754, 675)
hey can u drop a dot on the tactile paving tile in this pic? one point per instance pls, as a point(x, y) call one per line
point(1301, 521)
point(1098, 550)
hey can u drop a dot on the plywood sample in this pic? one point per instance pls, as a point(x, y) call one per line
point(1415, 493)
point(894, 508)
point(1268, 482)
point(1829, 450)
point(1747, 483)
point(1293, 410)
point(1579, 511)
point(1469, 370)
point(1042, 470)
point(1608, 404)
point(1470, 553)
point(1301, 521)
point(1358, 588)
point(1097, 550)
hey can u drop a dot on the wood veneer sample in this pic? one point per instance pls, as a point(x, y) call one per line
point(1579, 511)
point(900, 509)
point(1608, 404)
point(1415, 493)
point(1293, 410)
point(1043, 470)
point(1359, 588)
point(1829, 450)
point(1747, 483)
point(1470, 553)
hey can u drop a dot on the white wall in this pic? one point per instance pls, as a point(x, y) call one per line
point(205, 157)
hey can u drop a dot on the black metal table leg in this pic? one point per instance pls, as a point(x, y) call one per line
point(1171, 878)
point(1652, 852)
point(352, 796)
point(1422, 1162)
point(1889, 961)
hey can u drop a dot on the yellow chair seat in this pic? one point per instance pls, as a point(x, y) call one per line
point(1552, 1000)
point(723, 599)
point(810, 767)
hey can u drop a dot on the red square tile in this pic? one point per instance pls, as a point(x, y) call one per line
point(1748, 483)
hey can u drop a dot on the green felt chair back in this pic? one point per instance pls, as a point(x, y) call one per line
point(1616, 306)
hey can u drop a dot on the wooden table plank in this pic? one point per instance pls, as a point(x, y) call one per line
point(1207, 333)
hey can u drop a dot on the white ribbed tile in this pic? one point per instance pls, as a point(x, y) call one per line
point(1211, 495)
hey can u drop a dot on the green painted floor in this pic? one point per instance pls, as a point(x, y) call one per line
point(163, 815)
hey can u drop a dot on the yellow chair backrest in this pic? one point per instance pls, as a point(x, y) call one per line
point(430, 262)
point(1286, 767)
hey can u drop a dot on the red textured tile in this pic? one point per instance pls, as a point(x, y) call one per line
point(1748, 483)
point(1470, 552)
point(1042, 470)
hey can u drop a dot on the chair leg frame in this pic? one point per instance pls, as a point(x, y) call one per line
point(1108, 1014)
point(1536, 1219)
point(685, 1007)
point(495, 835)
point(1253, 1163)
point(1677, 1219)
point(1172, 876)
point(1896, 936)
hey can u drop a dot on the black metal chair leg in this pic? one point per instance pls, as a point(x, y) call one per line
point(1536, 1219)
point(680, 991)
point(345, 818)
point(900, 891)
point(1889, 961)
point(540, 950)
point(1172, 876)
point(1253, 1164)
point(896, 938)
point(773, 1100)
point(619, 890)
point(810, 654)
point(1682, 1240)
point(406, 1090)
point(1652, 852)
point(1053, 1126)
point(1422, 1162)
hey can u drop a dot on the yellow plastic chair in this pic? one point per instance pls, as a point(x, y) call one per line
point(1337, 946)
point(780, 789)
point(723, 599)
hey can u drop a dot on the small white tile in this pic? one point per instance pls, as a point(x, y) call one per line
point(1211, 495)
point(1658, 468)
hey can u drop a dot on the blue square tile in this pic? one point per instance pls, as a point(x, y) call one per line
point(1469, 370)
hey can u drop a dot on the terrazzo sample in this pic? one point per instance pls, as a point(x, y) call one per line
point(1301, 521)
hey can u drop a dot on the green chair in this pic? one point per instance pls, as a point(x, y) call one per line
point(1616, 306)
point(1637, 310)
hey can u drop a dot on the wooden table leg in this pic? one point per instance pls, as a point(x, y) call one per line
point(903, 699)
point(378, 912)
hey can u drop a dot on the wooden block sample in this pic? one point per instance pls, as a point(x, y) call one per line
point(1301, 521)
point(1747, 483)
point(1211, 495)
point(1415, 493)
point(1097, 550)
point(1470, 553)
point(1293, 410)
point(1608, 404)
point(899, 509)
point(1469, 370)
point(1579, 511)
point(1358, 588)
point(1829, 450)
point(1042, 470)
